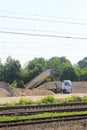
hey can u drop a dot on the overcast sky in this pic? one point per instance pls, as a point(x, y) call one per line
point(48, 28)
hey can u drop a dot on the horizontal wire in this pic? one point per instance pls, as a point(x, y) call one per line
point(43, 35)
point(35, 30)
point(22, 13)
point(42, 20)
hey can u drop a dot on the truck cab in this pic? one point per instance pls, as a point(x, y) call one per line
point(66, 86)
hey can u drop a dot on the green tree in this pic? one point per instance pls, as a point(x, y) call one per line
point(69, 73)
point(83, 74)
point(82, 63)
point(12, 70)
point(1, 72)
point(34, 67)
point(57, 65)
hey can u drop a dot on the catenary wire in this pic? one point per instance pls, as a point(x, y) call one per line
point(49, 16)
point(38, 30)
point(42, 20)
point(43, 35)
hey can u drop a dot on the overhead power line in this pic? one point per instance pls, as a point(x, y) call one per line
point(49, 16)
point(43, 20)
point(38, 30)
point(43, 35)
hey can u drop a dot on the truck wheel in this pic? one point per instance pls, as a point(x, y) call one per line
point(64, 90)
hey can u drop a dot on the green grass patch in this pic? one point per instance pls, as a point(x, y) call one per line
point(52, 114)
point(25, 102)
point(74, 98)
point(47, 100)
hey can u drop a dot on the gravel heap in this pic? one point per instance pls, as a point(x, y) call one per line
point(7, 91)
point(26, 92)
point(50, 85)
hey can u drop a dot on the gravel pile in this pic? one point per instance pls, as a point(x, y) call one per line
point(7, 91)
point(50, 85)
point(26, 92)
point(80, 87)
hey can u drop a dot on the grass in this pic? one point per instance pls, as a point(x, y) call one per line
point(48, 100)
point(51, 100)
point(3, 118)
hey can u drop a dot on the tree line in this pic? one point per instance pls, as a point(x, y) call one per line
point(13, 73)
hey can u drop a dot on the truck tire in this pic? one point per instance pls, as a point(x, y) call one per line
point(64, 90)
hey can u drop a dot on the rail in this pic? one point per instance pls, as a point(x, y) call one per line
point(35, 109)
point(42, 120)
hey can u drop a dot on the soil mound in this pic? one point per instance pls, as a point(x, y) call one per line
point(5, 90)
point(80, 87)
point(27, 92)
point(50, 85)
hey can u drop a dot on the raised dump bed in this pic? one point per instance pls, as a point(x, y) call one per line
point(39, 79)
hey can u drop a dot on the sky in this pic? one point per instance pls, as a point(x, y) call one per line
point(43, 28)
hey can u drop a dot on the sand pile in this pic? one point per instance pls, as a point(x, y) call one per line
point(80, 87)
point(50, 85)
point(5, 90)
point(26, 92)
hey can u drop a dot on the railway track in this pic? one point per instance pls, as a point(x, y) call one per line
point(42, 111)
point(35, 109)
point(33, 121)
